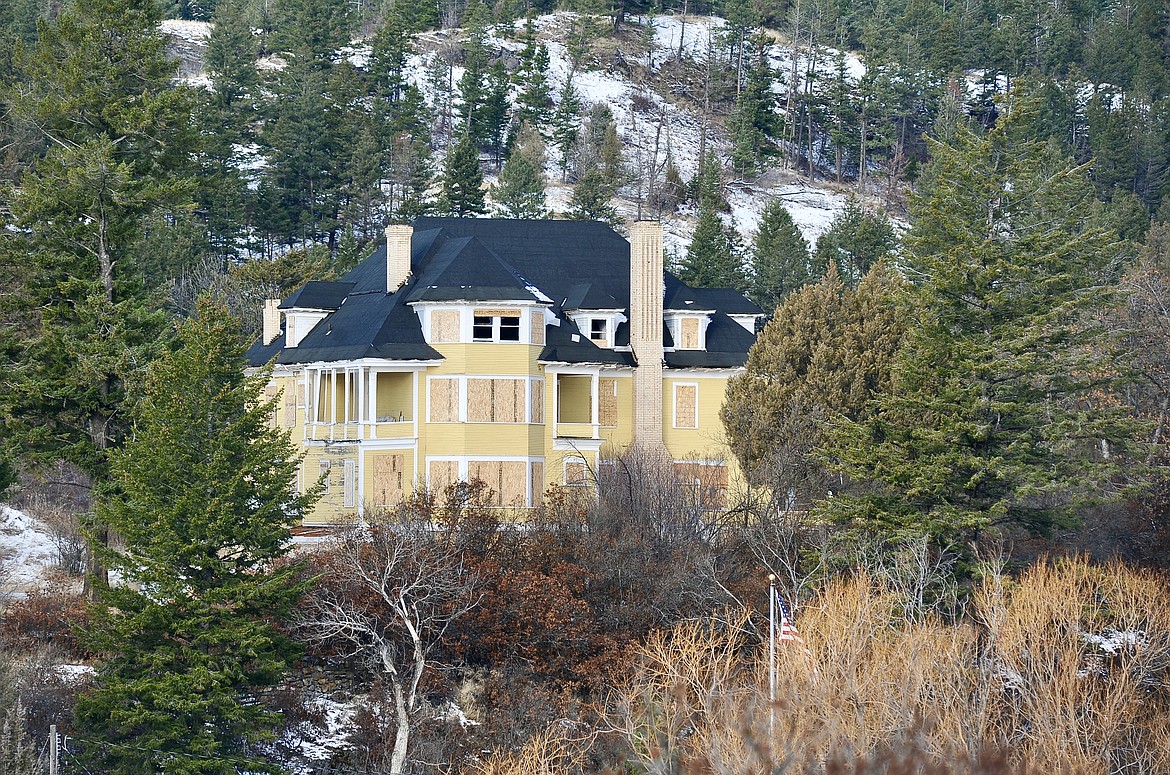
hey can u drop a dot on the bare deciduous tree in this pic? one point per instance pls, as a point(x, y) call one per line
point(388, 589)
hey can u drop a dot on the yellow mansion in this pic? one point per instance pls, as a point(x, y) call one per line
point(522, 353)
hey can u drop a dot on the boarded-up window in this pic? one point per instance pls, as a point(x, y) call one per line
point(689, 334)
point(495, 400)
point(576, 473)
point(323, 474)
point(607, 398)
point(538, 326)
point(441, 474)
point(349, 485)
point(537, 483)
point(514, 483)
point(388, 474)
point(705, 483)
point(445, 325)
point(490, 312)
point(686, 406)
point(290, 405)
point(300, 393)
point(270, 392)
point(508, 479)
point(444, 401)
point(537, 401)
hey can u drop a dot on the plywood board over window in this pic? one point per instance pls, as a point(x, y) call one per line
point(290, 406)
point(270, 393)
point(495, 400)
point(537, 483)
point(445, 326)
point(491, 312)
point(576, 474)
point(607, 398)
point(689, 334)
point(508, 479)
point(444, 400)
point(388, 479)
point(537, 401)
point(441, 474)
point(479, 400)
point(537, 326)
point(686, 406)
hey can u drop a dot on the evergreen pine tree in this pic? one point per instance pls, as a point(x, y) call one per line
point(535, 96)
point(591, 198)
point(202, 501)
point(855, 241)
point(712, 259)
point(520, 193)
point(991, 418)
point(462, 181)
point(781, 262)
point(566, 124)
point(98, 85)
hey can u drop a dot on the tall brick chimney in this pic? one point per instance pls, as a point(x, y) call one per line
point(271, 320)
point(646, 292)
point(397, 256)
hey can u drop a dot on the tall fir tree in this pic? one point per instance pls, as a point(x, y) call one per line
point(998, 415)
point(712, 259)
point(856, 240)
point(534, 100)
point(201, 498)
point(462, 181)
point(566, 125)
point(520, 192)
point(97, 85)
point(592, 198)
point(781, 262)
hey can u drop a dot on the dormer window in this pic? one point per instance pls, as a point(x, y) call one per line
point(599, 331)
point(495, 326)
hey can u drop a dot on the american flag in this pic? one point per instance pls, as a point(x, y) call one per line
point(787, 628)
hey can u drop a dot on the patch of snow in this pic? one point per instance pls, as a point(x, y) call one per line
point(696, 33)
point(452, 713)
point(73, 673)
point(1113, 641)
point(27, 547)
point(193, 31)
point(271, 63)
point(320, 743)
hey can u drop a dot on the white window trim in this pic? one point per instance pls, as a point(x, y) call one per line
point(497, 325)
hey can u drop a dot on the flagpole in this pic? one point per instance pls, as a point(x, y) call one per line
point(771, 660)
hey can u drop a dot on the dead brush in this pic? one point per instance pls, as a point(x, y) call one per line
point(1064, 670)
point(552, 751)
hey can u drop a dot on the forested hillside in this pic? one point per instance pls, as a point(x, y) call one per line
point(949, 551)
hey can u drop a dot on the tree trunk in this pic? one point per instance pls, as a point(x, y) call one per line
point(402, 735)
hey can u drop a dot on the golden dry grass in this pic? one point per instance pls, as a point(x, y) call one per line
point(1066, 670)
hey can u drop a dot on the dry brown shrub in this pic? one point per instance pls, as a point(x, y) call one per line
point(553, 751)
point(1066, 668)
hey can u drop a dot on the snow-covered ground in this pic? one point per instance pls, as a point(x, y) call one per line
point(27, 552)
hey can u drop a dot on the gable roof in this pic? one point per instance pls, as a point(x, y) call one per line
point(566, 265)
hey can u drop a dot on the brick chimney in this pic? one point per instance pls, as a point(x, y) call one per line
point(646, 292)
point(397, 256)
point(271, 320)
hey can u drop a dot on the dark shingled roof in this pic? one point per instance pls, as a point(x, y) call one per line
point(575, 264)
point(318, 295)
